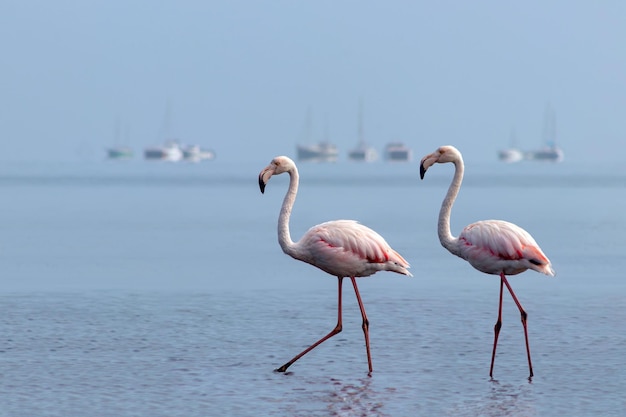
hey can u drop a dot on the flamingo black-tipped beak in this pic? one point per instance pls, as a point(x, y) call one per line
point(265, 176)
point(422, 170)
point(426, 163)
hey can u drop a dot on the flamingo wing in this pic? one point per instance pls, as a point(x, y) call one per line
point(347, 248)
point(495, 246)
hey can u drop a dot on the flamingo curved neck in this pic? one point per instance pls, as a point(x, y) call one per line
point(284, 237)
point(443, 227)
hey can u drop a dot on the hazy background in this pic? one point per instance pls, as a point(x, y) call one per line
point(159, 289)
point(239, 76)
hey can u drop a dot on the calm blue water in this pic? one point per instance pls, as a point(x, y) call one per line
point(159, 290)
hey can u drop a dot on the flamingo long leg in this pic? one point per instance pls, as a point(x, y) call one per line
point(365, 326)
point(496, 328)
point(333, 332)
point(524, 318)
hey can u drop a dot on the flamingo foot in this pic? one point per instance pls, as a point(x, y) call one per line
point(283, 368)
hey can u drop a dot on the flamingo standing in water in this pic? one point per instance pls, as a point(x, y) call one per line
point(491, 246)
point(343, 248)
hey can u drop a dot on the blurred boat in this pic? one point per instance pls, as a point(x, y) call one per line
point(120, 152)
point(363, 152)
point(398, 152)
point(194, 153)
point(510, 155)
point(322, 151)
point(318, 152)
point(169, 151)
point(550, 153)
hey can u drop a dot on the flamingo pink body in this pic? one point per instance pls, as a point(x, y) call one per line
point(346, 248)
point(496, 246)
point(491, 246)
point(343, 248)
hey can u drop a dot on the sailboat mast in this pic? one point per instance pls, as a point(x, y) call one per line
point(360, 124)
point(549, 127)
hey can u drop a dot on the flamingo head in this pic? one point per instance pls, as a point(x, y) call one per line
point(442, 155)
point(279, 165)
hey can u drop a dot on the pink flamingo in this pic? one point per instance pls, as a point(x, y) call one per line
point(343, 248)
point(491, 246)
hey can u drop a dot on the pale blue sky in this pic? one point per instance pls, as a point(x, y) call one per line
point(240, 75)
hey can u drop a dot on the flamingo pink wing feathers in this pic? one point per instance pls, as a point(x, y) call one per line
point(347, 248)
point(495, 246)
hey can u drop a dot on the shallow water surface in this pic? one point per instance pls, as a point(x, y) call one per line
point(114, 353)
point(161, 292)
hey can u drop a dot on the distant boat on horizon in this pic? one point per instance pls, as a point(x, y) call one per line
point(322, 151)
point(169, 151)
point(362, 152)
point(173, 151)
point(550, 152)
point(547, 154)
point(398, 152)
point(317, 152)
point(120, 152)
point(512, 153)
point(194, 153)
